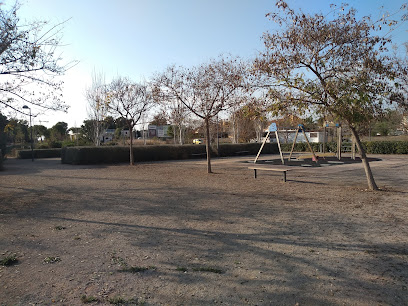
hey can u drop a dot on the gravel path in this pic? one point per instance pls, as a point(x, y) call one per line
point(167, 233)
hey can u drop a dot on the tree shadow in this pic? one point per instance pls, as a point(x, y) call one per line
point(296, 243)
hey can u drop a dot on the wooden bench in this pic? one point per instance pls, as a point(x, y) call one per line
point(276, 169)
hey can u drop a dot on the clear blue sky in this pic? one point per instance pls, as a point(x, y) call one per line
point(140, 37)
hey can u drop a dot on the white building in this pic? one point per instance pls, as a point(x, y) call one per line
point(107, 135)
point(160, 131)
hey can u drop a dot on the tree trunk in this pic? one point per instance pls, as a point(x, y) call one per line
point(97, 133)
point(258, 130)
point(207, 144)
point(370, 178)
point(181, 134)
point(132, 162)
point(234, 130)
point(237, 130)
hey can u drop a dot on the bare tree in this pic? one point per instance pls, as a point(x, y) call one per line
point(96, 96)
point(176, 111)
point(129, 101)
point(235, 120)
point(29, 62)
point(204, 90)
point(179, 117)
point(331, 64)
point(255, 110)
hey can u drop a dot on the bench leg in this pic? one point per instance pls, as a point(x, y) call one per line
point(284, 176)
point(254, 173)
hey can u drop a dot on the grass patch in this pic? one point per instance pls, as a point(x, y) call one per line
point(208, 269)
point(118, 260)
point(9, 260)
point(137, 269)
point(89, 299)
point(52, 259)
point(118, 300)
point(181, 269)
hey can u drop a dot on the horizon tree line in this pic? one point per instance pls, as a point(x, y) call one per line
point(330, 64)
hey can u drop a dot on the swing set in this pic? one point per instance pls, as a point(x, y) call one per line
point(301, 129)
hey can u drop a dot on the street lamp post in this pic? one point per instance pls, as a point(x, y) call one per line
point(31, 128)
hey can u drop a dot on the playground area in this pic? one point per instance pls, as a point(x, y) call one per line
point(307, 161)
point(168, 233)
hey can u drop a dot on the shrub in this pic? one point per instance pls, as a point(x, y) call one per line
point(401, 147)
point(42, 145)
point(9, 260)
point(1, 160)
point(303, 147)
point(39, 153)
point(379, 147)
point(94, 155)
point(387, 147)
point(68, 143)
point(3, 145)
point(79, 142)
point(247, 149)
point(55, 144)
point(89, 299)
point(371, 147)
point(119, 154)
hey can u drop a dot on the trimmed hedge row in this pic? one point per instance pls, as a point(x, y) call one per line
point(371, 147)
point(118, 154)
point(386, 147)
point(303, 147)
point(39, 153)
point(1, 161)
point(246, 149)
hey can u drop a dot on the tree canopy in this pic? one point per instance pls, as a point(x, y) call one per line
point(130, 101)
point(333, 64)
point(29, 62)
point(204, 90)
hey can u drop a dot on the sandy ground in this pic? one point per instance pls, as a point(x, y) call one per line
point(225, 238)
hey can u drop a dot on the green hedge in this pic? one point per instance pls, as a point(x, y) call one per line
point(119, 154)
point(246, 149)
point(372, 147)
point(303, 147)
point(39, 153)
point(1, 161)
point(386, 147)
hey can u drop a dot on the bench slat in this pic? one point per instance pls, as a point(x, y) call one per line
point(283, 170)
point(269, 168)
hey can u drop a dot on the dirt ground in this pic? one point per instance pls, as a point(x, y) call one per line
point(168, 233)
